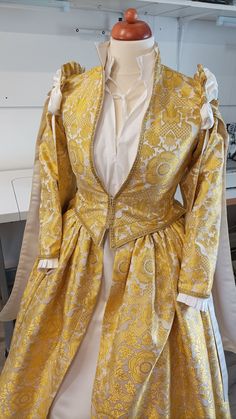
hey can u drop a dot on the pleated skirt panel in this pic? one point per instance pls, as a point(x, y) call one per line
point(141, 355)
point(73, 399)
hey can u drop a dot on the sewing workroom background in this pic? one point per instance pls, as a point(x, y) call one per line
point(36, 39)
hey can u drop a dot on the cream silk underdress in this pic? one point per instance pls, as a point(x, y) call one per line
point(115, 148)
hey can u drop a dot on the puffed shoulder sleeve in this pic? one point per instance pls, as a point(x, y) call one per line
point(203, 190)
point(52, 192)
point(57, 180)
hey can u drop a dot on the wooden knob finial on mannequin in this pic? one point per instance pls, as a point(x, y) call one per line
point(131, 15)
point(131, 29)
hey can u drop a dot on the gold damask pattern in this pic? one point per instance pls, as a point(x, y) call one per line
point(158, 357)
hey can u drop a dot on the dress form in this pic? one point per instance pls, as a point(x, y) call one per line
point(73, 399)
point(130, 269)
point(125, 71)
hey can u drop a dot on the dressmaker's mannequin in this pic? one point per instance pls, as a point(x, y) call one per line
point(125, 68)
point(136, 379)
point(125, 71)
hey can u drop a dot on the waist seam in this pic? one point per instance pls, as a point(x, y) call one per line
point(117, 243)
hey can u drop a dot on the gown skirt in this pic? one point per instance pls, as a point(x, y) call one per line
point(111, 338)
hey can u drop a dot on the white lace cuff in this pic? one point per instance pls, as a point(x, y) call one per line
point(48, 263)
point(56, 95)
point(211, 91)
point(196, 302)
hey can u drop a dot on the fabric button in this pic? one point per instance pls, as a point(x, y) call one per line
point(118, 214)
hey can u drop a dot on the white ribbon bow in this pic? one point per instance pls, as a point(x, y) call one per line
point(206, 112)
point(56, 95)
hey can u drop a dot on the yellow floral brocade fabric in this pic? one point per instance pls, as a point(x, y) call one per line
point(158, 357)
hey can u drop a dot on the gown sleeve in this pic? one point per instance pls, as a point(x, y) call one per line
point(58, 183)
point(60, 177)
point(50, 214)
point(202, 190)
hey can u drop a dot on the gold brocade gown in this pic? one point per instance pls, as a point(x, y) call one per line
point(158, 357)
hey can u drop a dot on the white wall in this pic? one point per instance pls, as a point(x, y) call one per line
point(33, 45)
point(215, 48)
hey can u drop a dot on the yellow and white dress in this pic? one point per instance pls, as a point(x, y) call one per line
point(159, 354)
